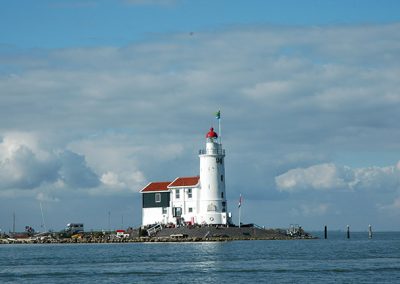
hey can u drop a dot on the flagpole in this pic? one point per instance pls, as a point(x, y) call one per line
point(239, 214)
point(219, 130)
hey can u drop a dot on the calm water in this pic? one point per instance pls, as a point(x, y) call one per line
point(336, 260)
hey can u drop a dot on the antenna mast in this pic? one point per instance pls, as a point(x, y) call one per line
point(43, 223)
point(14, 222)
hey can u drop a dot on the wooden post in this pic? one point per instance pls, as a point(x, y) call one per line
point(369, 232)
point(326, 232)
point(348, 231)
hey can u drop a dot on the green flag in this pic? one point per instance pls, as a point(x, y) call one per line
point(218, 114)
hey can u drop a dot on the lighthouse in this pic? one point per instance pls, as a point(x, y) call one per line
point(199, 199)
point(212, 203)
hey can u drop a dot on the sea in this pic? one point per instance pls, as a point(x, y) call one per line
point(333, 260)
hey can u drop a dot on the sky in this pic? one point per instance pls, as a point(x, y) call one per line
point(98, 98)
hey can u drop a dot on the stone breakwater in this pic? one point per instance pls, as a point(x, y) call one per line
point(182, 234)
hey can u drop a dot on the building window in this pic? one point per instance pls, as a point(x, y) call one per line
point(189, 192)
point(190, 209)
point(222, 178)
point(177, 194)
point(164, 210)
point(222, 194)
point(177, 212)
point(158, 197)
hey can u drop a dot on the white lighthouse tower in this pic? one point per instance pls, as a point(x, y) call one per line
point(212, 207)
point(191, 200)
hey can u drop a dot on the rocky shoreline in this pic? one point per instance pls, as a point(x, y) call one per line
point(182, 234)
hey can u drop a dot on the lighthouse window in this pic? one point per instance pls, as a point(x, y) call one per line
point(177, 194)
point(158, 197)
point(222, 194)
point(211, 207)
point(189, 192)
point(222, 177)
point(190, 209)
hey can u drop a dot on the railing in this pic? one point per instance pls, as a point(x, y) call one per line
point(153, 230)
point(212, 152)
point(258, 227)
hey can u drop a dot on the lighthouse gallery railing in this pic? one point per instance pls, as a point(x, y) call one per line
point(212, 152)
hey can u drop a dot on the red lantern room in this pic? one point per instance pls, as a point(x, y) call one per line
point(211, 134)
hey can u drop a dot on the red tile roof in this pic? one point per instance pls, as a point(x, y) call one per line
point(166, 185)
point(156, 186)
point(185, 181)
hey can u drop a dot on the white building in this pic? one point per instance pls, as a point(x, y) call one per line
point(191, 200)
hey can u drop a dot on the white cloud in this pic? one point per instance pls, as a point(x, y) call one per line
point(137, 178)
point(125, 179)
point(117, 157)
point(383, 178)
point(332, 177)
point(123, 183)
point(111, 118)
point(24, 165)
point(22, 168)
point(320, 177)
point(44, 197)
point(270, 89)
point(110, 178)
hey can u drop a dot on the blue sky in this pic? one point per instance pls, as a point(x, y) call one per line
point(57, 24)
point(98, 98)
